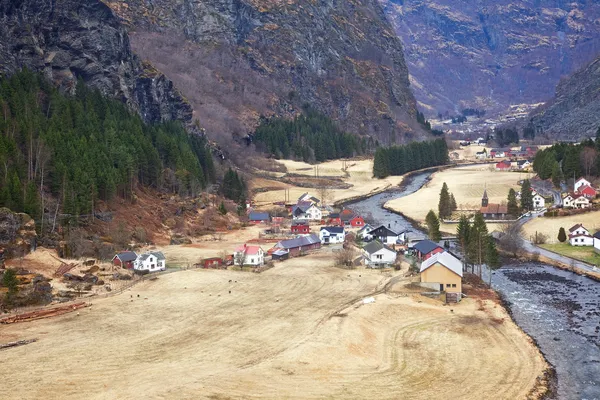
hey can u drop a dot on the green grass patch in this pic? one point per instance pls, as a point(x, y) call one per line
point(582, 253)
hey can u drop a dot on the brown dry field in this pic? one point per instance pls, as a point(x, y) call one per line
point(297, 331)
point(550, 226)
point(360, 176)
point(466, 183)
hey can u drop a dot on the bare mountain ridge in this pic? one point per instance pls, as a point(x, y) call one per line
point(490, 54)
point(236, 60)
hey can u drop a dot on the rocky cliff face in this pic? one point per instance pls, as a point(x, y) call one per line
point(490, 54)
point(17, 234)
point(238, 59)
point(574, 113)
point(71, 39)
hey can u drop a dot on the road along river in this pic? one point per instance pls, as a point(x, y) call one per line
point(560, 310)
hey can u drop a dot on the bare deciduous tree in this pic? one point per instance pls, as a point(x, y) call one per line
point(324, 193)
point(588, 159)
point(511, 240)
point(345, 257)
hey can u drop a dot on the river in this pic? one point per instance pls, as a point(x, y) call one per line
point(560, 310)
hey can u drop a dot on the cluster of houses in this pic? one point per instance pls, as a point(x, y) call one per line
point(582, 195)
point(152, 261)
point(507, 165)
point(507, 152)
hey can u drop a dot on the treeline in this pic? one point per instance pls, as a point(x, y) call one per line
point(311, 137)
point(427, 125)
point(565, 160)
point(86, 147)
point(398, 160)
point(506, 136)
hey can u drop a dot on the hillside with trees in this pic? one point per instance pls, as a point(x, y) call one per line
point(565, 160)
point(84, 148)
point(398, 160)
point(310, 137)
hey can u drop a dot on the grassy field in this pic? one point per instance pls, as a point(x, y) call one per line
point(297, 331)
point(359, 174)
point(466, 183)
point(586, 254)
point(550, 226)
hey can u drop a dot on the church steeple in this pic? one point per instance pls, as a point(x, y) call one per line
point(484, 199)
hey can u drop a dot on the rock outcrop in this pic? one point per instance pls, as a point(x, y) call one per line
point(490, 54)
point(17, 233)
point(71, 39)
point(574, 113)
point(236, 60)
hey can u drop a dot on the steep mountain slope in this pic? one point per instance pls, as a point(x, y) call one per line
point(574, 112)
point(70, 39)
point(238, 59)
point(489, 54)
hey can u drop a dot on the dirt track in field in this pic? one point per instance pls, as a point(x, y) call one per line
point(297, 331)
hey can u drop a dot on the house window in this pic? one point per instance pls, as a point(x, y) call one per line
point(454, 285)
point(447, 285)
point(379, 256)
point(252, 260)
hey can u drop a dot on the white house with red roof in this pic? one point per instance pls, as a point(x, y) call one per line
point(581, 182)
point(580, 236)
point(576, 201)
point(249, 255)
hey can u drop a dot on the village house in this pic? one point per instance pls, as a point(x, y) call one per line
point(334, 219)
point(332, 234)
point(576, 201)
point(580, 236)
point(213, 262)
point(256, 217)
point(378, 255)
point(597, 242)
point(364, 234)
point(539, 202)
point(587, 191)
point(300, 228)
point(354, 221)
point(523, 164)
point(581, 182)
point(426, 248)
point(280, 255)
point(248, 255)
point(306, 211)
point(125, 259)
point(500, 153)
point(299, 245)
point(308, 198)
point(385, 235)
point(445, 270)
point(504, 165)
point(492, 211)
point(481, 155)
point(152, 262)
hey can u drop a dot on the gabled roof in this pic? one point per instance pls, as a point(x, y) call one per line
point(248, 250)
point(521, 162)
point(585, 187)
point(494, 209)
point(333, 229)
point(597, 235)
point(334, 215)
point(280, 252)
point(447, 260)
point(375, 246)
point(575, 227)
point(126, 256)
point(158, 254)
point(365, 228)
point(581, 179)
point(426, 246)
point(258, 216)
point(298, 242)
point(384, 230)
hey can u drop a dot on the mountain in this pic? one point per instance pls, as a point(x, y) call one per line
point(72, 39)
point(236, 60)
point(490, 54)
point(574, 112)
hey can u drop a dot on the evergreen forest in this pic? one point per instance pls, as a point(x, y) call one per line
point(398, 160)
point(86, 147)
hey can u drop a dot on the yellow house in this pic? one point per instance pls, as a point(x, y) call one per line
point(445, 270)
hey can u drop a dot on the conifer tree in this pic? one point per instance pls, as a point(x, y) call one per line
point(463, 233)
point(453, 205)
point(444, 206)
point(512, 204)
point(562, 235)
point(526, 196)
point(478, 241)
point(433, 226)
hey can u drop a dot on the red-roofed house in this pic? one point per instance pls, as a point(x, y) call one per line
point(587, 191)
point(503, 165)
point(248, 255)
point(357, 221)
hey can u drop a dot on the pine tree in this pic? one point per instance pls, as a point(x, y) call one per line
point(492, 259)
point(222, 209)
point(562, 235)
point(433, 226)
point(444, 206)
point(380, 164)
point(557, 176)
point(526, 196)
point(478, 241)
point(512, 205)
point(453, 205)
point(462, 233)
